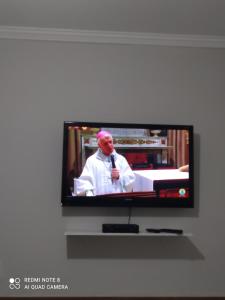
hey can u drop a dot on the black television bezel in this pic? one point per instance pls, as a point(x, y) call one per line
point(97, 201)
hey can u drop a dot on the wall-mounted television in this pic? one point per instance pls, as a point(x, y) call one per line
point(118, 164)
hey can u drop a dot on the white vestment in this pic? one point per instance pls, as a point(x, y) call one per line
point(96, 176)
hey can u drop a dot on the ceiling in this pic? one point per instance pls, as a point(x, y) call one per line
point(193, 17)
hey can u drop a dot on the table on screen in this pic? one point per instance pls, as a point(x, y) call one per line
point(144, 179)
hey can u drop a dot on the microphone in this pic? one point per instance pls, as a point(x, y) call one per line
point(114, 167)
point(113, 161)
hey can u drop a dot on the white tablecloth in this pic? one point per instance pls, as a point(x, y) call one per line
point(144, 180)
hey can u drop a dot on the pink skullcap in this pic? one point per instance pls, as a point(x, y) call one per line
point(102, 134)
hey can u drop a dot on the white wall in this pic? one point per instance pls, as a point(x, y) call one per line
point(44, 83)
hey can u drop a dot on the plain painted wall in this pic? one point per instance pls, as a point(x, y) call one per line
point(44, 83)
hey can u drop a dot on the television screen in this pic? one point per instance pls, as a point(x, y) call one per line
point(112, 164)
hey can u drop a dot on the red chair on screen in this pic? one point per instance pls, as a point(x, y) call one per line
point(138, 161)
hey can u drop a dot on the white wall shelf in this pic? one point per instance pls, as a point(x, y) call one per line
point(141, 234)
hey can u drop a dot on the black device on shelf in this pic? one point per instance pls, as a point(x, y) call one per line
point(164, 230)
point(160, 158)
point(120, 228)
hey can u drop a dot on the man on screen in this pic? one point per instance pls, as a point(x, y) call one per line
point(105, 171)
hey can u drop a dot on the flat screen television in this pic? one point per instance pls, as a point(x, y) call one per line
point(117, 164)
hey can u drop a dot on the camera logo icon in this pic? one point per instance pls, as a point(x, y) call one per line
point(14, 283)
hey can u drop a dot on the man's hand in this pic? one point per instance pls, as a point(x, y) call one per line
point(115, 173)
